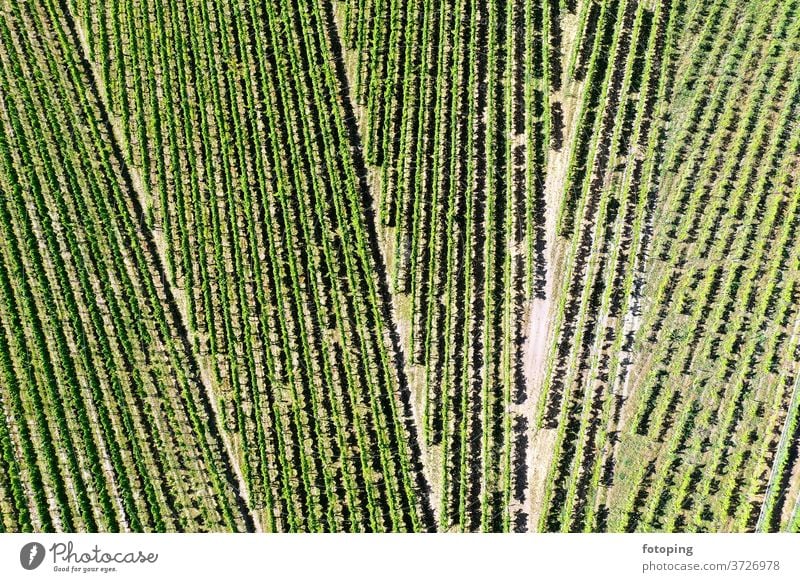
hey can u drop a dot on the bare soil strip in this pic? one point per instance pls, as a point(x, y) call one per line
point(541, 335)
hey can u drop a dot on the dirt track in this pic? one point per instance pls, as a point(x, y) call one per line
point(541, 332)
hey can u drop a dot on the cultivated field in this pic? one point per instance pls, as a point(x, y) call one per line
point(384, 265)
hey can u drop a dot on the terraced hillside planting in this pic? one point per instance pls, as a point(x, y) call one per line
point(372, 265)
